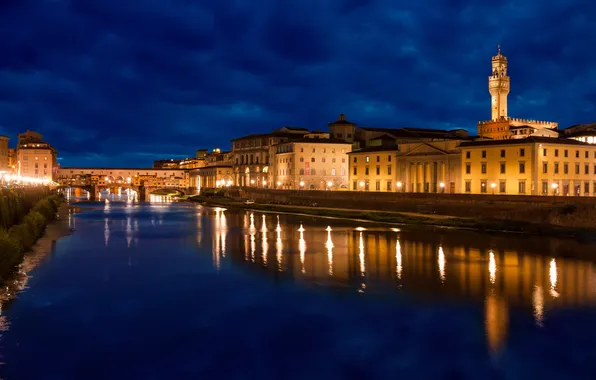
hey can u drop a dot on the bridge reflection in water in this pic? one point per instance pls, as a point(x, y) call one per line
point(500, 272)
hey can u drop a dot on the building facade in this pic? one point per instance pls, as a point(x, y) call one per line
point(315, 162)
point(34, 157)
point(4, 153)
point(373, 169)
point(530, 166)
point(250, 155)
point(217, 172)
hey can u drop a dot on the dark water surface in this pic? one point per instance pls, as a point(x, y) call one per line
point(178, 291)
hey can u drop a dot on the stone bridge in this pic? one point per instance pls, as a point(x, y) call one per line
point(143, 181)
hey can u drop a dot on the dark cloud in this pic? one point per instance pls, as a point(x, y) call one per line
point(112, 82)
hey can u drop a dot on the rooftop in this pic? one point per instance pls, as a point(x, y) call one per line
point(341, 121)
point(392, 148)
point(314, 140)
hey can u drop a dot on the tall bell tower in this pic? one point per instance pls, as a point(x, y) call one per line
point(498, 86)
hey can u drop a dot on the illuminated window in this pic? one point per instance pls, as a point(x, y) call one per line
point(378, 186)
point(522, 187)
point(468, 186)
point(367, 159)
point(389, 185)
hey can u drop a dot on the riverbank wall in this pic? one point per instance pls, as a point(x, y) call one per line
point(20, 236)
point(568, 212)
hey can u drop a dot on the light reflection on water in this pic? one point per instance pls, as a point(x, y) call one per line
point(534, 276)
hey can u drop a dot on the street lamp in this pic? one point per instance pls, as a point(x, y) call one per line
point(264, 183)
point(442, 186)
point(301, 185)
point(329, 184)
point(555, 186)
point(361, 185)
point(252, 181)
point(493, 185)
point(278, 183)
point(399, 185)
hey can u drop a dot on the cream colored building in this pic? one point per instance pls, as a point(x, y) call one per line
point(531, 166)
point(4, 153)
point(251, 158)
point(315, 162)
point(34, 157)
point(217, 172)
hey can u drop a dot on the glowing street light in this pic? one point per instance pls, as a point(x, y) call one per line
point(493, 185)
point(264, 183)
point(442, 186)
point(252, 181)
point(329, 184)
point(362, 185)
point(399, 184)
point(301, 185)
point(278, 183)
point(555, 187)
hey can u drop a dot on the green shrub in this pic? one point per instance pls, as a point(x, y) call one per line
point(10, 255)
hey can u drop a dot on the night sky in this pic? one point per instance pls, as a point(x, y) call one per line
point(123, 82)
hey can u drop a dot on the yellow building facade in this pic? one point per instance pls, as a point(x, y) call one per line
point(530, 166)
point(315, 162)
point(4, 153)
point(373, 169)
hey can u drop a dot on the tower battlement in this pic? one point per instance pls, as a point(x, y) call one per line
point(516, 122)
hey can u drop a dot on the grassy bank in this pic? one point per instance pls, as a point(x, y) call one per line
point(482, 224)
point(20, 237)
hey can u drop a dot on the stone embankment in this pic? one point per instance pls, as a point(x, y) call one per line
point(501, 212)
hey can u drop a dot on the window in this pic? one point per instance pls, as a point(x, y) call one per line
point(577, 154)
point(483, 168)
point(323, 172)
point(587, 188)
point(522, 187)
point(323, 159)
point(378, 158)
point(522, 152)
point(587, 169)
point(333, 171)
point(389, 158)
point(367, 159)
point(483, 186)
point(354, 185)
point(301, 150)
point(389, 185)
point(587, 154)
point(366, 186)
point(343, 160)
point(313, 150)
point(502, 153)
point(544, 168)
point(333, 160)
point(484, 154)
point(566, 153)
point(355, 170)
point(544, 187)
point(313, 171)
point(576, 168)
point(312, 159)
point(378, 170)
point(389, 170)
point(556, 153)
point(378, 186)
point(468, 154)
point(355, 159)
point(468, 186)
point(502, 187)
point(301, 159)
point(522, 168)
point(26, 158)
point(544, 152)
point(468, 168)
point(366, 170)
point(557, 168)
point(566, 168)
point(503, 166)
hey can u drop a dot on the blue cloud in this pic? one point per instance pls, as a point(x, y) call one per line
point(110, 82)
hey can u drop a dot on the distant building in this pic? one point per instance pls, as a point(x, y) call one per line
point(216, 172)
point(250, 155)
point(167, 164)
point(34, 157)
point(4, 153)
point(581, 132)
point(314, 162)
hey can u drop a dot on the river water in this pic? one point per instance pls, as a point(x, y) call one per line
point(180, 291)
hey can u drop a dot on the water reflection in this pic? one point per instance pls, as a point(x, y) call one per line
point(302, 248)
point(495, 271)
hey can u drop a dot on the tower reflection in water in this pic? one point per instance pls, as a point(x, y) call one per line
point(499, 272)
